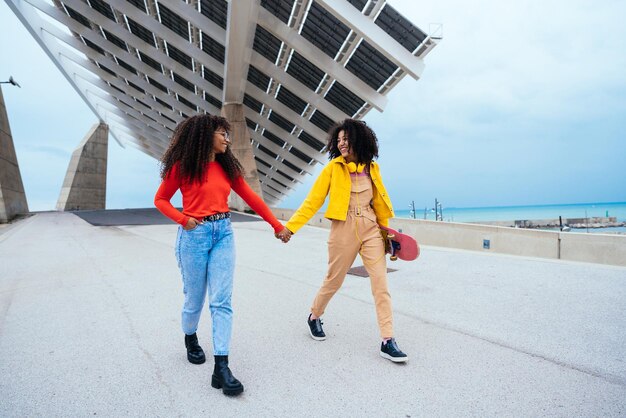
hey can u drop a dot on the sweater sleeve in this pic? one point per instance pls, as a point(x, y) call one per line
point(257, 204)
point(313, 202)
point(169, 186)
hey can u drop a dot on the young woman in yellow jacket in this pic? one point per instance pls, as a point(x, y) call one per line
point(358, 204)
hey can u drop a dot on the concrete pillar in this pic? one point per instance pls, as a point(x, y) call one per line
point(242, 148)
point(12, 196)
point(85, 183)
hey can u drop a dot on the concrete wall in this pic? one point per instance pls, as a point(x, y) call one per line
point(592, 248)
point(12, 195)
point(84, 187)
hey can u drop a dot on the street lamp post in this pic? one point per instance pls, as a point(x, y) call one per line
point(11, 81)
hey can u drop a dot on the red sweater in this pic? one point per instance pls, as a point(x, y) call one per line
point(210, 196)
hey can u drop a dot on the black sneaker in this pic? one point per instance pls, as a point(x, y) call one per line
point(390, 351)
point(315, 329)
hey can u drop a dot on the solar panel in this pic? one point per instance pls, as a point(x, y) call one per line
point(115, 40)
point(359, 4)
point(157, 85)
point(118, 89)
point(252, 103)
point(311, 141)
point(344, 99)
point(138, 4)
point(215, 102)
point(321, 121)
point(139, 101)
point(305, 71)
point(282, 184)
point(279, 8)
point(266, 44)
point(93, 46)
point(126, 66)
point(256, 77)
point(281, 121)
point(162, 103)
point(108, 70)
point(213, 48)
point(174, 22)
point(324, 30)
point(141, 32)
point(179, 56)
point(185, 83)
point(295, 75)
point(103, 8)
point(300, 155)
point(273, 138)
point(251, 124)
point(78, 17)
point(399, 28)
point(292, 166)
point(370, 65)
point(290, 100)
point(213, 78)
point(275, 189)
point(152, 63)
point(216, 10)
point(139, 89)
point(187, 103)
point(268, 152)
point(165, 117)
point(285, 175)
point(260, 161)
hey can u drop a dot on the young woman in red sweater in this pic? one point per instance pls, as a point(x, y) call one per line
point(200, 164)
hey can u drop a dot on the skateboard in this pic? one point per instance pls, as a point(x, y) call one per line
point(399, 245)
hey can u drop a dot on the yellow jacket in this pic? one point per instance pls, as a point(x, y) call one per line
point(335, 178)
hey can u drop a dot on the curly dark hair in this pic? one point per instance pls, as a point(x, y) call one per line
point(192, 145)
point(361, 138)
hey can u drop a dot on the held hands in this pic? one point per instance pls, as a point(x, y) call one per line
point(284, 235)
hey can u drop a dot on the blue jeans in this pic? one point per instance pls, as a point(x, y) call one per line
point(206, 258)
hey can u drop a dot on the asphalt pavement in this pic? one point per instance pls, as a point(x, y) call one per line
point(89, 326)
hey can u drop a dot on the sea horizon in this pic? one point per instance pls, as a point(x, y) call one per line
point(522, 212)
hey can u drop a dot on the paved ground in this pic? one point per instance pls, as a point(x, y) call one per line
point(89, 325)
point(144, 216)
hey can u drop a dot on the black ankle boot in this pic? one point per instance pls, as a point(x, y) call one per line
point(223, 379)
point(195, 354)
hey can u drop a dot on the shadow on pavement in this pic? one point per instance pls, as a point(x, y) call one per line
point(147, 216)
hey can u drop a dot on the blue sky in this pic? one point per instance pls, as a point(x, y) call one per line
point(521, 103)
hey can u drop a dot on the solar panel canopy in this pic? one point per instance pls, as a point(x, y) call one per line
point(297, 66)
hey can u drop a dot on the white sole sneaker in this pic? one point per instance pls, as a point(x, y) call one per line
point(316, 338)
point(394, 359)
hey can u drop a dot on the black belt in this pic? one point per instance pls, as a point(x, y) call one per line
point(216, 217)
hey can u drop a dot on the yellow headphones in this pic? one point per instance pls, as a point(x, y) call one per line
point(353, 168)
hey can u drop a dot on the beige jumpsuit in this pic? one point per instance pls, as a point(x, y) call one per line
point(359, 233)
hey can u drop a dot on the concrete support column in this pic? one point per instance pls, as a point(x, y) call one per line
point(85, 183)
point(242, 148)
point(12, 196)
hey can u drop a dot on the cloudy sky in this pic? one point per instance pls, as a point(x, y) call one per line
point(521, 103)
